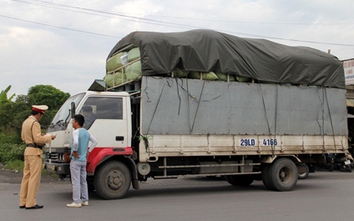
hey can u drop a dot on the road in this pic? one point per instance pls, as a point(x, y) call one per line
point(323, 196)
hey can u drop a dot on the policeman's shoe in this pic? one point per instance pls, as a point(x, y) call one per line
point(35, 207)
point(74, 205)
point(85, 203)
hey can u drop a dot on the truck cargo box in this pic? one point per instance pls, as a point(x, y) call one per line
point(176, 106)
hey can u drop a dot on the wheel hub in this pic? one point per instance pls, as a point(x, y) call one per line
point(283, 174)
point(115, 180)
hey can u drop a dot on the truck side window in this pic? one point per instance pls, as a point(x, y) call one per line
point(101, 108)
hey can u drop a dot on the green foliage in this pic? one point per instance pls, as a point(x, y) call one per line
point(47, 95)
point(10, 152)
point(11, 147)
point(13, 113)
point(3, 96)
point(10, 137)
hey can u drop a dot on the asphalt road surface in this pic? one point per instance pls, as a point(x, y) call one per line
point(322, 196)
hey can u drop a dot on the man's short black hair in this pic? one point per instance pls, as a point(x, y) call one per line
point(79, 119)
point(33, 112)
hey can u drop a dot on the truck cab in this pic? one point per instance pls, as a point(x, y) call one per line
point(110, 122)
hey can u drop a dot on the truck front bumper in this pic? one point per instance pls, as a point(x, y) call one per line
point(58, 168)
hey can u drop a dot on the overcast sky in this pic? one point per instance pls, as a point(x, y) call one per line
point(64, 43)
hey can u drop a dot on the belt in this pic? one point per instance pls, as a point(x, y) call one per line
point(34, 145)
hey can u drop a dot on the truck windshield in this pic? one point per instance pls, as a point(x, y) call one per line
point(62, 117)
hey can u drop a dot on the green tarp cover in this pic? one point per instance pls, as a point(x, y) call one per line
point(206, 51)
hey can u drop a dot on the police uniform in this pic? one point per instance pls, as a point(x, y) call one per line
point(31, 134)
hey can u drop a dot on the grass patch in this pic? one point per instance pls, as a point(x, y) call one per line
point(14, 165)
point(50, 174)
point(17, 165)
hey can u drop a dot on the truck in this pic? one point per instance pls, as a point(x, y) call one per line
point(205, 103)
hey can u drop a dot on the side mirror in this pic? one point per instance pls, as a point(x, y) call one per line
point(72, 109)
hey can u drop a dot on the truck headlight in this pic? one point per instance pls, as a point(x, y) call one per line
point(65, 157)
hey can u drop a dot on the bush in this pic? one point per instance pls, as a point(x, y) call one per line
point(9, 137)
point(11, 146)
point(11, 152)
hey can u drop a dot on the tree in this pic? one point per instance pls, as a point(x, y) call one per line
point(47, 95)
point(7, 108)
point(12, 114)
point(3, 96)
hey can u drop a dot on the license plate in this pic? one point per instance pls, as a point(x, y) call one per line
point(53, 168)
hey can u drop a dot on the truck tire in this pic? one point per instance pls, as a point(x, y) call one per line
point(283, 174)
point(112, 180)
point(266, 177)
point(305, 174)
point(240, 180)
point(90, 185)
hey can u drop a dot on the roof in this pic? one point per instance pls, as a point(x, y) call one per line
point(97, 85)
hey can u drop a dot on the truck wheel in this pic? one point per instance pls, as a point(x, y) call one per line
point(240, 180)
point(112, 180)
point(305, 173)
point(283, 174)
point(90, 185)
point(266, 177)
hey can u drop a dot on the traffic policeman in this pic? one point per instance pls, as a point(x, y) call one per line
point(31, 134)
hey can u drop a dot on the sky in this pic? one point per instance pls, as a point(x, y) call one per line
point(65, 43)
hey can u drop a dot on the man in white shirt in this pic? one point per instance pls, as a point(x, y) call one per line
point(81, 138)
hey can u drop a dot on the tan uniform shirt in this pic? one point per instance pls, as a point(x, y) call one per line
point(31, 133)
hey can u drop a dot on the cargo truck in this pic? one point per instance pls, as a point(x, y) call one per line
point(204, 103)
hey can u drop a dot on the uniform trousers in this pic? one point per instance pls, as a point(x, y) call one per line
point(31, 179)
point(78, 180)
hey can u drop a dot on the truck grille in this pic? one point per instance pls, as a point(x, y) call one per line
point(56, 157)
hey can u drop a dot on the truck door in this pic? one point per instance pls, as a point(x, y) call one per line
point(106, 121)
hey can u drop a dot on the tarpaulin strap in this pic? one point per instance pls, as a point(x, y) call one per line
point(266, 115)
point(200, 99)
point(323, 127)
point(265, 108)
point(153, 116)
point(330, 118)
point(275, 118)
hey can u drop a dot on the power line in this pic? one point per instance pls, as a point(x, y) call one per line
point(111, 36)
point(121, 15)
point(54, 26)
point(305, 41)
point(255, 22)
point(186, 18)
point(145, 20)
